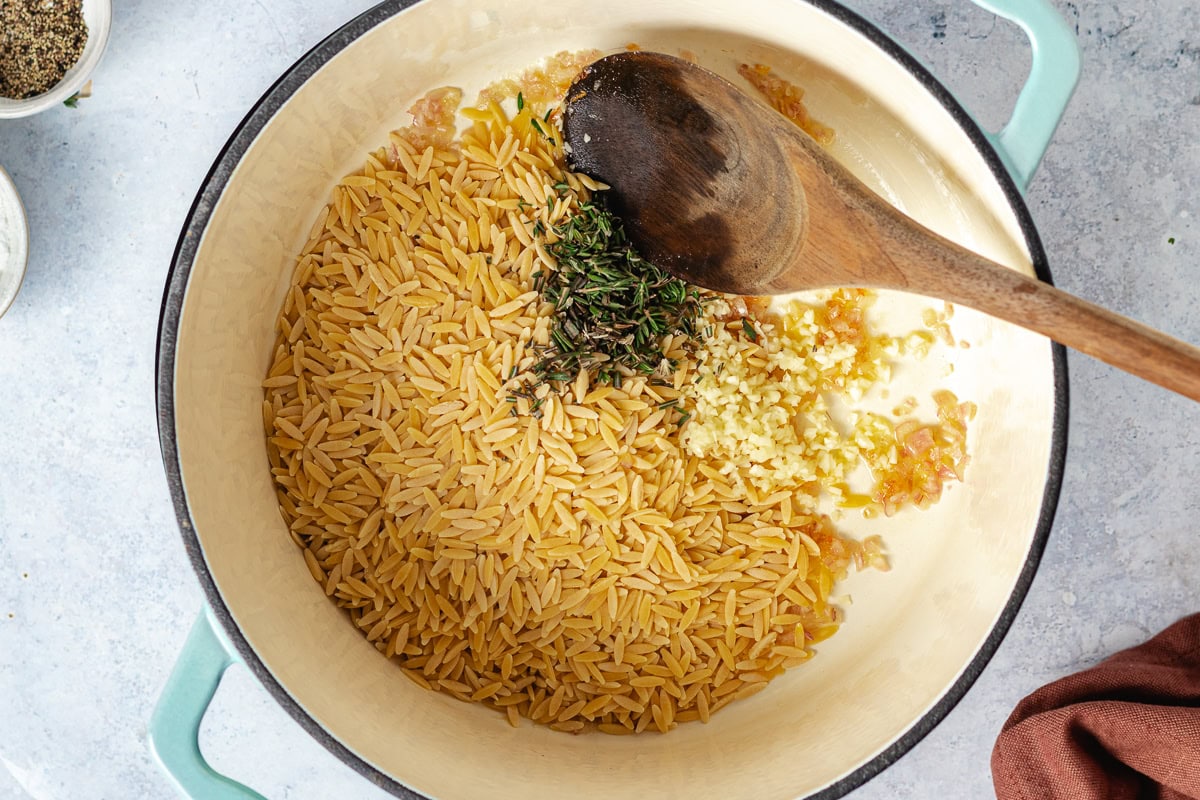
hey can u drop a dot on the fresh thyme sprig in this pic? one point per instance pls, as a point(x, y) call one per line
point(612, 307)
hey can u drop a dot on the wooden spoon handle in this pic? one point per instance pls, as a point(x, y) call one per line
point(856, 238)
point(958, 275)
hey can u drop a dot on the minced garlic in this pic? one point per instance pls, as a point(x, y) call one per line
point(761, 406)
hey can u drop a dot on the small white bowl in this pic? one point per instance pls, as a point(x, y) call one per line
point(98, 16)
point(14, 241)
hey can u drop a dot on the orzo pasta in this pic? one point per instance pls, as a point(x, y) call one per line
point(602, 560)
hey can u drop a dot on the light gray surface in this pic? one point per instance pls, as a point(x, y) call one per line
point(96, 595)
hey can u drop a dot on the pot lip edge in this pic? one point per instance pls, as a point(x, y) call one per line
point(196, 222)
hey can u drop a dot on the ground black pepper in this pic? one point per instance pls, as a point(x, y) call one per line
point(39, 41)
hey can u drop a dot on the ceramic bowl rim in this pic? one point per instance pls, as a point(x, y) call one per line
point(9, 186)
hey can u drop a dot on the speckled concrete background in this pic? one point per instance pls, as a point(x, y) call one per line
point(96, 596)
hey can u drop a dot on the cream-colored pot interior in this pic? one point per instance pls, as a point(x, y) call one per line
point(910, 633)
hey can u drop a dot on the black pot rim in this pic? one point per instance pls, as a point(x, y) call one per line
point(172, 306)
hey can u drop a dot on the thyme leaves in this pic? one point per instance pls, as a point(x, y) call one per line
point(612, 307)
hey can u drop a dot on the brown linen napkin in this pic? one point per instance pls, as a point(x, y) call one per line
point(1126, 729)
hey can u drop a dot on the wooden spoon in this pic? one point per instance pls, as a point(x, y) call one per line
point(729, 195)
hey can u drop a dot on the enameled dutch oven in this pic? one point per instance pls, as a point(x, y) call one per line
point(915, 638)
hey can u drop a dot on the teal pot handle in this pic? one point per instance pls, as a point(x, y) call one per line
point(175, 726)
point(1054, 71)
